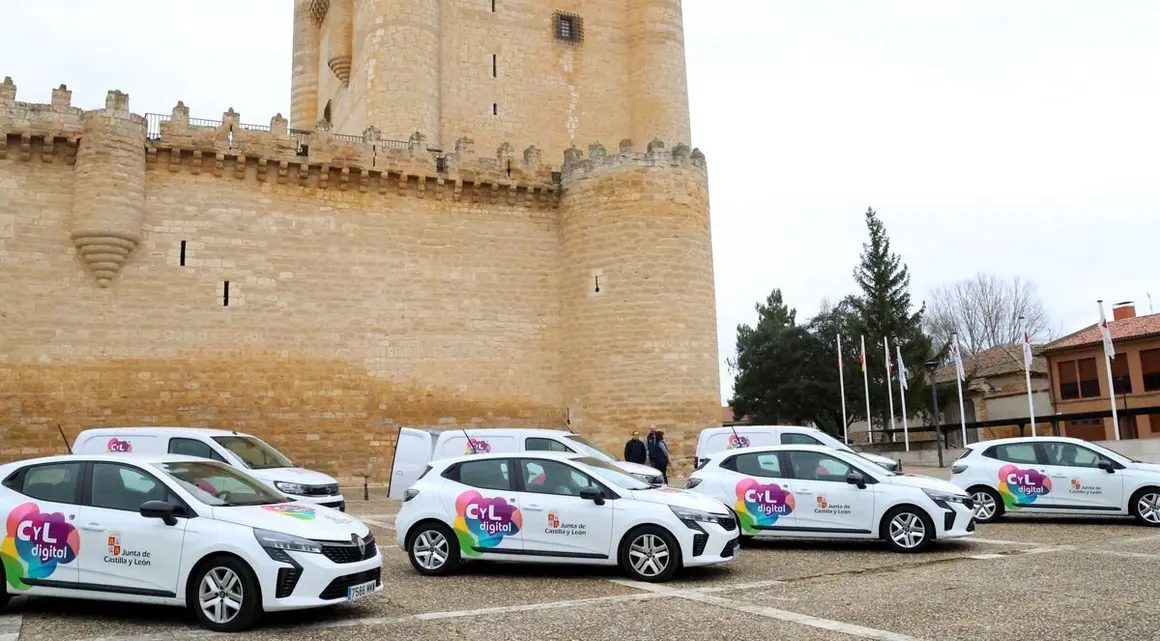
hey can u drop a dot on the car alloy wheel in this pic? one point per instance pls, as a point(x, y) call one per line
point(221, 595)
point(431, 550)
point(986, 507)
point(1147, 507)
point(649, 555)
point(906, 530)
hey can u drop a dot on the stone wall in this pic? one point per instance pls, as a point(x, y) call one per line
point(369, 287)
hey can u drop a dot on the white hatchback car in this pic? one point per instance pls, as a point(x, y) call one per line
point(809, 491)
point(176, 530)
point(1056, 475)
point(558, 507)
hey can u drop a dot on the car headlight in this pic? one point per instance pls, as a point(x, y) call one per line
point(279, 541)
point(692, 483)
point(945, 497)
point(290, 488)
point(689, 516)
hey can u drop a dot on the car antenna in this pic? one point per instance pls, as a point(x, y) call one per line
point(66, 445)
point(469, 443)
point(736, 435)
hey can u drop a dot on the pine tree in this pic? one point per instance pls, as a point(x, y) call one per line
point(883, 309)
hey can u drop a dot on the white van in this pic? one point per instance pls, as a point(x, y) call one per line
point(416, 447)
point(238, 449)
point(717, 439)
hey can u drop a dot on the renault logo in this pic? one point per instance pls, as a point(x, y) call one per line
point(362, 545)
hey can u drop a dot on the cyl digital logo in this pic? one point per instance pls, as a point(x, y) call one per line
point(35, 544)
point(759, 505)
point(482, 522)
point(1020, 487)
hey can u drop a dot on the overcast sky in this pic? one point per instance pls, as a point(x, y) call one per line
point(1018, 137)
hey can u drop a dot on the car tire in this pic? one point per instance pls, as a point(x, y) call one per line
point(232, 580)
point(989, 502)
point(433, 549)
point(639, 550)
point(1145, 506)
point(907, 529)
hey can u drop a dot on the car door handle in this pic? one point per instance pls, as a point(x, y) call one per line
point(804, 492)
point(93, 527)
point(532, 507)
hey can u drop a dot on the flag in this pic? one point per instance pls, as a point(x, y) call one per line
point(902, 373)
point(862, 356)
point(958, 358)
point(840, 353)
point(1027, 350)
point(1106, 333)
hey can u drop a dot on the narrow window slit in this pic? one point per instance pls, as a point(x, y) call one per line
point(183, 253)
point(597, 284)
point(226, 294)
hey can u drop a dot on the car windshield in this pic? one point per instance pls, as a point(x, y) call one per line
point(1111, 454)
point(588, 448)
point(611, 473)
point(256, 454)
point(878, 468)
point(220, 485)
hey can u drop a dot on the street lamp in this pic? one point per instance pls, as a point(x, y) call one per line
point(931, 366)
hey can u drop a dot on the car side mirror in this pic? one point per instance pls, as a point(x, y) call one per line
point(159, 510)
point(593, 494)
point(1107, 466)
point(854, 478)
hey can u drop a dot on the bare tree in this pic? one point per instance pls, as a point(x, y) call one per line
point(985, 310)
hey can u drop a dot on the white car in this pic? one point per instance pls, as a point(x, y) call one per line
point(1056, 475)
point(554, 507)
point(176, 530)
point(244, 451)
point(416, 447)
point(718, 439)
point(808, 491)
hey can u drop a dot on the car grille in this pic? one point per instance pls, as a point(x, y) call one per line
point(729, 549)
point(321, 490)
point(338, 587)
point(337, 505)
point(727, 522)
point(348, 552)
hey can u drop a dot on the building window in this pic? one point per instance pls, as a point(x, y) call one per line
point(569, 27)
point(1150, 368)
point(1121, 380)
point(1078, 379)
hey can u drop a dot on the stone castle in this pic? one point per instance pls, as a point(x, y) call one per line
point(322, 281)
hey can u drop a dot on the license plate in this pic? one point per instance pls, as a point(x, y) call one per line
point(360, 590)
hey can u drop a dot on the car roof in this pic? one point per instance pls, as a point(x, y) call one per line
point(824, 449)
point(205, 431)
point(743, 428)
point(481, 430)
point(980, 445)
point(563, 456)
point(133, 457)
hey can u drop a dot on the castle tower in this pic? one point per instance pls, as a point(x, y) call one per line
point(638, 304)
point(548, 75)
point(108, 209)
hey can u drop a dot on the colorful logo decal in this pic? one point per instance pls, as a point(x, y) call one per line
point(477, 446)
point(1021, 487)
point(822, 503)
point(117, 445)
point(564, 528)
point(736, 441)
point(481, 522)
point(35, 543)
point(759, 506)
point(296, 511)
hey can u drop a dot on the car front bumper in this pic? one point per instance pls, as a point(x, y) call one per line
point(954, 520)
point(336, 502)
point(705, 543)
point(298, 580)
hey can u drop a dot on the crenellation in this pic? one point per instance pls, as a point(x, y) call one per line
point(61, 99)
point(576, 166)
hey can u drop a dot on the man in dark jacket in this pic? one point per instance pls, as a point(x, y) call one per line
point(634, 450)
point(658, 455)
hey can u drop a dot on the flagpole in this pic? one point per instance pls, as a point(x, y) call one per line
point(959, 382)
point(842, 393)
point(1027, 358)
point(866, 384)
point(1108, 363)
point(889, 385)
point(902, 387)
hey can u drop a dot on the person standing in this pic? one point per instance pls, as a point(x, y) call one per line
point(652, 437)
point(634, 450)
point(658, 454)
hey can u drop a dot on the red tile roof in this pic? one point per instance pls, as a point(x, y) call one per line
point(996, 361)
point(1125, 329)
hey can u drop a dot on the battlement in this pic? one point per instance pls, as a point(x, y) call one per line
point(318, 158)
point(576, 167)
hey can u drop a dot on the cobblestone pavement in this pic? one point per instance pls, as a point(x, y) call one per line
point(1023, 578)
